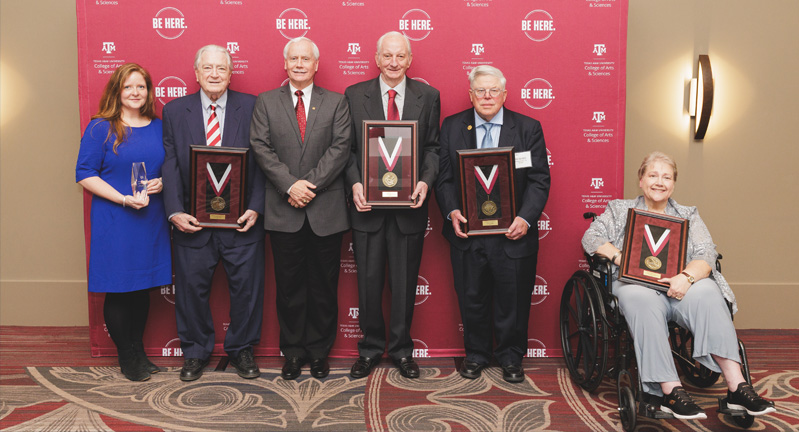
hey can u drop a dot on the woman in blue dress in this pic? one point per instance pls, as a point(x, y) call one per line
point(130, 248)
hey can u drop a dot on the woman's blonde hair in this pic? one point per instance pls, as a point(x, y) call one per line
point(657, 156)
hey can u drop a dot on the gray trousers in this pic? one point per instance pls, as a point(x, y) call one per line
point(702, 310)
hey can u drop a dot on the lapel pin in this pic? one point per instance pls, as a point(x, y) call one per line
point(469, 127)
point(313, 108)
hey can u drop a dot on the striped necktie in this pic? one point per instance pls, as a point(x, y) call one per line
point(213, 135)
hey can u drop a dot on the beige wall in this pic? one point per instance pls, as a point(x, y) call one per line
point(747, 160)
point(742, 176)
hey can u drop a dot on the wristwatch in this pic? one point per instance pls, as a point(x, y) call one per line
point(690, 278)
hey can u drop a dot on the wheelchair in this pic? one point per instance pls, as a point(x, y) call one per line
point(592, 329)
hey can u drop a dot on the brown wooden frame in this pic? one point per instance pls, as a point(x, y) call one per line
point(237, 184)
point(376, 193)
point(631, 270)
point(467, 160)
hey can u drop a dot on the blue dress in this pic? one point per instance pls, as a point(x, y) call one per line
point(129, 249)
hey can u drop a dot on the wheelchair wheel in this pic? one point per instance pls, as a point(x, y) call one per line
point(583, 335)
point(744, 421)
point(696, 373)
point(627, 411)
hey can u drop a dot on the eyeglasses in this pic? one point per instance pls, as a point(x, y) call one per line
point(481, 92)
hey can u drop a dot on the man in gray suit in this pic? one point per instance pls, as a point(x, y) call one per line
point(394, 236)
point(301, 136)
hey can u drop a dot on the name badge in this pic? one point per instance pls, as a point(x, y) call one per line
point(523, 160)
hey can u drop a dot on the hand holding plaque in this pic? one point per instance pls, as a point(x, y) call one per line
point(654, 248)
point(218, 178)
point(487, 190)
point(389, 163)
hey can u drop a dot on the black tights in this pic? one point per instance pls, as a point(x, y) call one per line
point(126, 316)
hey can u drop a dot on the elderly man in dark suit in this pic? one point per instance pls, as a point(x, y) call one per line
point(214, 116)
point(301, 137)
point(395, 236)
point(496, 270)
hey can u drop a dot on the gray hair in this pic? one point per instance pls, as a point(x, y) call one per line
point(300, 39)
point(487, 70)
point(653, 157)
point(212, 48)
point(392, 34)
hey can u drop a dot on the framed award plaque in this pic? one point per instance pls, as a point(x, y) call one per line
point(487, 190)
point(389, 163)
point(654, 248)
point(219, 182)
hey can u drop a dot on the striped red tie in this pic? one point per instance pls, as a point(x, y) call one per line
point(213, 135)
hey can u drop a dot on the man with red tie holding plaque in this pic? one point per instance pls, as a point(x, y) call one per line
point(493, 271)
point(394, 236)
point(214, 116)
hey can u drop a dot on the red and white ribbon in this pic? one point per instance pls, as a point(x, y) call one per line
point(218, 185)
point(487, 183)
point(390, 161)
point(656, 247)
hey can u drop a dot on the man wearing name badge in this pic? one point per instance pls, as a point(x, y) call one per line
point(301, 138)
point(214, 116)
point(392, 236)
point(493, 270)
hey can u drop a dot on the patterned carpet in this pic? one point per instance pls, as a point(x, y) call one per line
point(48, 382)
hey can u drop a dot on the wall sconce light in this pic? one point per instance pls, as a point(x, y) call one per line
point(700, 103)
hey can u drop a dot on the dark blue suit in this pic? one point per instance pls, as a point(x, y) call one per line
point(494, 269)
point(197, 254)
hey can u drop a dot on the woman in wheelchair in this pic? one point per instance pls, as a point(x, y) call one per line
point(695, 300)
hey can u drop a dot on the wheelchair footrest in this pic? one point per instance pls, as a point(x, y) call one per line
point(652, 411)
point(724, 409)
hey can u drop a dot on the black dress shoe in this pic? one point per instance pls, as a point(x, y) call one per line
point(407, 367)
point(471, 370)
point(192, 369)
point(319, 368)
point(292, 368)
point(244, 362)
point(363, 366)
point(513, 373)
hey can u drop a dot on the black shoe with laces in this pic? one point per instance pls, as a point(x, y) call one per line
point(245, 365)
point(679, 404)
point(745, 398)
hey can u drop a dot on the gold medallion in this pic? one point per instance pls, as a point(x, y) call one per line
point(390, 179)
point(218, 203)
point(653, 263)
point(489, 208)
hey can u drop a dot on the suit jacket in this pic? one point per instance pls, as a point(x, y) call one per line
point(532, 184)
point(184, 127)
point(320, 158)
point(421, 103)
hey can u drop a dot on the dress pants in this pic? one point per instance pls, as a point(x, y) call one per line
point(194, 269)
point(488, 281)
point(702, 310)
point(306, 277)
point(403, 254)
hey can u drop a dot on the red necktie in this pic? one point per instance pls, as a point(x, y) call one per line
point(213, 137)
point(393, 112)
point(300, 114)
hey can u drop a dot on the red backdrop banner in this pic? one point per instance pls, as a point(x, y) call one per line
point(565, 65)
